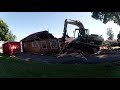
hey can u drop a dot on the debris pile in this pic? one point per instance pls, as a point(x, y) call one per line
point(104, 51)
point(73, 53)
point(69, 55)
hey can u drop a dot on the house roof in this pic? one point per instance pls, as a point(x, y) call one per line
point(38, 35)
point(111, 41)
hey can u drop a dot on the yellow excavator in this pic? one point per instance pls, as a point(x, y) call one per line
point(84, 41)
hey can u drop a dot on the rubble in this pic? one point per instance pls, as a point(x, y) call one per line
point(78, 56)
point(103, 53)
point(27, 59)
point(69, 55)
point(84, 58)
point(61, 55)
point(73, 54)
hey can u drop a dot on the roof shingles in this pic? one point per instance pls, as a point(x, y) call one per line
point(38, 35)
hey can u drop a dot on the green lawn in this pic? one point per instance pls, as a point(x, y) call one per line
point(13, 68)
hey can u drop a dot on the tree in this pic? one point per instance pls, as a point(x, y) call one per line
point(118, 36)
point(110, 34)
point(10, 36)
point(5, 34)
point(107, 16)
point(3, 30)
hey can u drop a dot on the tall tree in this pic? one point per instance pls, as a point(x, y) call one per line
point(5, 34)
point(10, 36)
point(118, 36)
point(3, 30)
point(107, 16)
point(110, 34)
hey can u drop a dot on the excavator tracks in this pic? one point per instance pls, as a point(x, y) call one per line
point(85, 48)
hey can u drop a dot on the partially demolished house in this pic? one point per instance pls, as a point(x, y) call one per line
point(41, 42)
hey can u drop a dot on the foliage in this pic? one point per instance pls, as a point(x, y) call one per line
point(110, 34)
point(101, 37)
point(10, 36)
point(3, 30)
point(107, 16)
point(118, 36)
point(5, 34)
point(106, 43)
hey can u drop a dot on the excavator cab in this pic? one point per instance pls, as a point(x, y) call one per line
point(82, 32)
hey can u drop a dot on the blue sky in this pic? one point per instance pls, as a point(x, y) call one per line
point(24, 23)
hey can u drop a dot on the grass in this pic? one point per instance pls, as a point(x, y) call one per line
point(13, 68)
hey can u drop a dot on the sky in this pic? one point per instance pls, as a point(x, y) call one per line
point(23, 24)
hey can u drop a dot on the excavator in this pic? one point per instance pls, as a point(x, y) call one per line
point(84, 42)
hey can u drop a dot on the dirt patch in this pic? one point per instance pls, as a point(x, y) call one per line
point(70, 59)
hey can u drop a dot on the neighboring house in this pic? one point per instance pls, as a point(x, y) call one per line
point(111, 41)
point(11, 48)
point(40, 42)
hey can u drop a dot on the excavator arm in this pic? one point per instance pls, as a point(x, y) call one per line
point(73, 22)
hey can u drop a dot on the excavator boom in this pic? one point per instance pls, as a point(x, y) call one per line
point(73, 22)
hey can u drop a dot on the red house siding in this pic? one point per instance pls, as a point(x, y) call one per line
point(38, 48)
